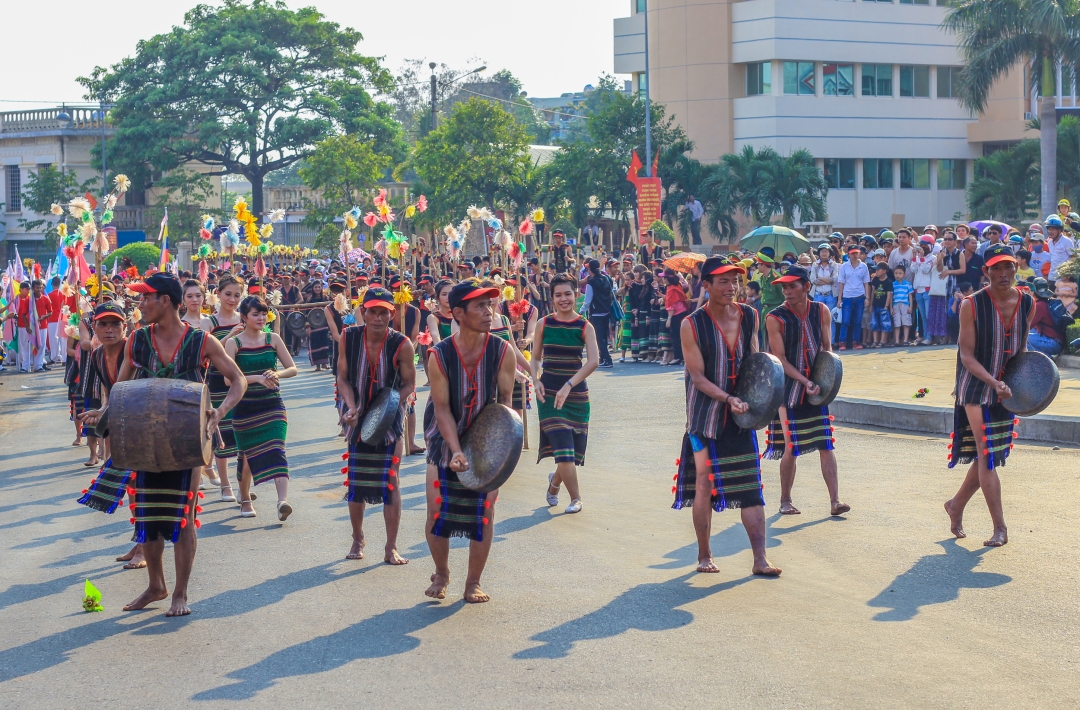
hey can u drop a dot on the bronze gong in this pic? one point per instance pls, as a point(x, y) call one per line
point(316, 318)
point(827, 373)
point(380, 416)
point(761, 385)
point(492, 446)
point(1034, 380)
point(295, 322)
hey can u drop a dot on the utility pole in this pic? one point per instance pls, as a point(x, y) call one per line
point(434, 95)
point(648, 117)
point(104, 170)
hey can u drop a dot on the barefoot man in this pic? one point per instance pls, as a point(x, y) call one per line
point(994, 324)
point(165, 501)
point(374, 357)
point(717, 456)
point(796, 329)
point(468, 370)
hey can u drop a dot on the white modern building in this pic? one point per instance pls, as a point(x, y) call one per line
point(866, 86)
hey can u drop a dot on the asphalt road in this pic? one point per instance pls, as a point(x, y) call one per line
point(601, 609)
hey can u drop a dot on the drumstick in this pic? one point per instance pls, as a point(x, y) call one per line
point(524, 415)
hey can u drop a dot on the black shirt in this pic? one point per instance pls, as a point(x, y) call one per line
point(881, 291)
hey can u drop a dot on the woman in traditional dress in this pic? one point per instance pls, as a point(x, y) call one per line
point(502, 327)
point(220, 325)
point(335, 321)
point(318, 338)
point(191, 313)
point(440, 322)
point(561, 392)
point(625, 335)
point(259, 421)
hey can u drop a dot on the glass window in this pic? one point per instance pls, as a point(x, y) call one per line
point(799, 78)
point(642, 82)
point(640, 5)
point(877, 80)
point(877, 174)
point(14, 189)
point(947, 82)
point(915, 174)
point(840, 173)
point(838, 79)
point(915, 81)
point(917, 2)
point(758, 79)
point(951, 174)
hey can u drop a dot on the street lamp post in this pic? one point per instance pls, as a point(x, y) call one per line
point(434, 93)
point(648, 118)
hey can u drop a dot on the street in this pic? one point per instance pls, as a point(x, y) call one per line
point(881, 608)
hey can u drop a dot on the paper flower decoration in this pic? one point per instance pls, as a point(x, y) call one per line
point(508, 293)
point(371, 219)
point(425, 338)
point(473, 212)
point(56, 209)
point(110, 201)
point(421, 203)
point(527, 355)
point(410, 211)
point(403, 296)
point(78, 207)
point(122, 183)
point(61, 229)
point(91, 598)
point(380, 198)
point(350, 221)
point(277, 215)
point(525, 227)
point(208, 223)
point(518, 309)
point(538, 215)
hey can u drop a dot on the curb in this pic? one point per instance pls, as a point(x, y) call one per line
point(1047, 428)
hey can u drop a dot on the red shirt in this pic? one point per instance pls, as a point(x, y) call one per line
point(1043, 321)
point(43, 305)
point(56, 301)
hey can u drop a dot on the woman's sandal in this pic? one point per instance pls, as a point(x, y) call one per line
point(244, 513)
point(284, 510)
point(230, 498)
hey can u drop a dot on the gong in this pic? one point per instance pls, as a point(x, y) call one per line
point(1034, 380)
point(295, 323)
point(827, 373)
point(316, 318)
point(761, 385)
point(380, 416)
point(492, 446)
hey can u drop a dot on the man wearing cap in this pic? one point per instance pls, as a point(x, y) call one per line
point(853, 291)
point(468, 370)
point(650, 251)
point(719, 457)
point(107, 489)
point(165, 501)
point(797, 333)
point(375, 357)
point(904, 254)
point(1059, 246)
point(561, 253)
point(994, 324)
point(771, 295)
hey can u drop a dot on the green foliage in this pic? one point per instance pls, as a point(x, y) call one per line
point(1068, 157)
point(142, 255)
point(328, 238)
point(1006, 184)
point(662, 232)
point(476, 156)
point(247, 88)
point(506, 89)
point(344, 168)
point(45, 187)
point(567, 226)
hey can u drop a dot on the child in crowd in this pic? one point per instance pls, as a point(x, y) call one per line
point(1024, 272)
point(881, 306)
point(963, 290)
point(902, 296)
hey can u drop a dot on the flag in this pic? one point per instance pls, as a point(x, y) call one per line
point(91, 200)
point(48, 278)
point(164, 253)
point(164, 232)
point(61, 262)
point(113, 268)
point(655, 163)
point(20, 273)
point(635, 166)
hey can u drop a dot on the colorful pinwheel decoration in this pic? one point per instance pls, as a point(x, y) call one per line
point(87, 232)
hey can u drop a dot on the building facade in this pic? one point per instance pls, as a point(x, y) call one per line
point(867, 86)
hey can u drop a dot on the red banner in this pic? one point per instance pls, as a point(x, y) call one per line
point(649, 197)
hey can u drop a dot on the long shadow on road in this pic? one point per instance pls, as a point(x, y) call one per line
point(646, 607)
point(385, 634)
point(935, 579)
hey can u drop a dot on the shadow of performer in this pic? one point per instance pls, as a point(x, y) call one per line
point(935, 579)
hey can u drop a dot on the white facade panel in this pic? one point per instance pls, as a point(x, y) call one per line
point(840, 30)
point(630, 44)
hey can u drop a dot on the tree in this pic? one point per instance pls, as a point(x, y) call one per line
point(681, 177)
point(44, 188)
point(1006, 184)
point(244, 88)
point(506, 89)
point(411, 94)
point(476, 156)
point(185, 194)
point(791, 184)
point(732, 186)
point(142, 254)
point(344, 168)
point(997, 36)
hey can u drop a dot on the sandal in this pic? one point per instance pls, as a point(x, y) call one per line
point(230, 498)
point(552, 500)
point(246, 514)
point(284, 510)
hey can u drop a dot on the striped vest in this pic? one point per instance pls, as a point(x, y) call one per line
point(995, 344)
point(186, 363)
point(368, 378)
point(802, 342)
point(705, 416)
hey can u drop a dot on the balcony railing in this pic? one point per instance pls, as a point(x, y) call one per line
point(46, 119)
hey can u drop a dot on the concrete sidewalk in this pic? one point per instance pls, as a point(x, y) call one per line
point(880, 385)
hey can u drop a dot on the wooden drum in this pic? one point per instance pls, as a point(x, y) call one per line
point(159, 425)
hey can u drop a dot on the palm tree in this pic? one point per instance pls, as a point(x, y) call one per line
point(1006, 185)
point(1068, 157)
point(731, 186)
point(996, 36)
point(792, 184)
